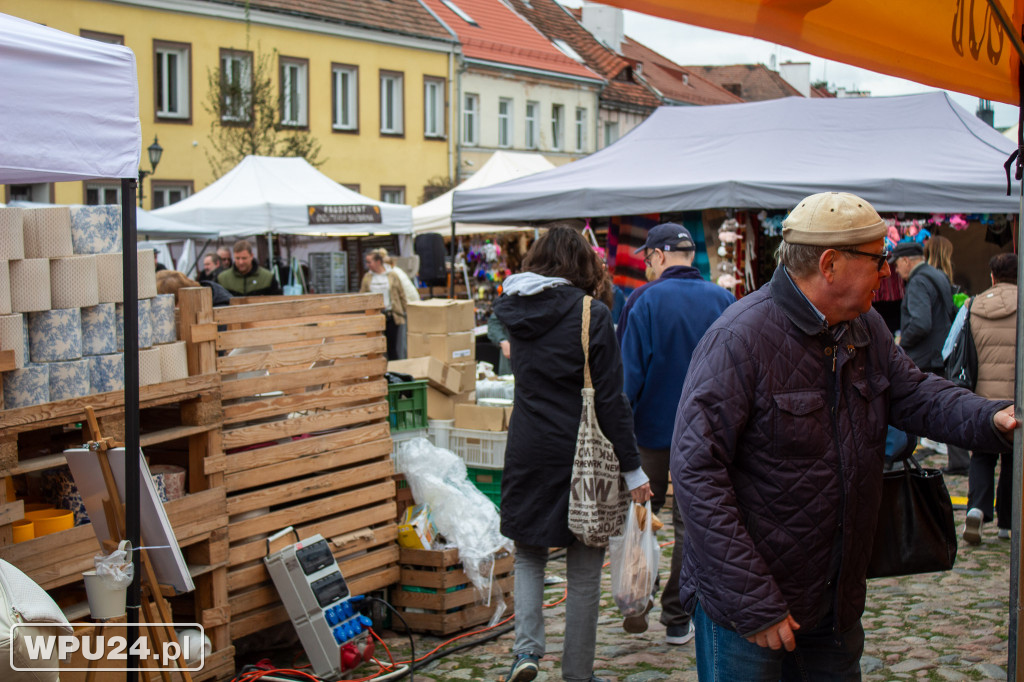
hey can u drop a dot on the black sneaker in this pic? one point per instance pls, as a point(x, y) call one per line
point(524, 668)
point(679, 634)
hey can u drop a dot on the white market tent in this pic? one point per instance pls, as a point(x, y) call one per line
point(915, 153)
point(269, 194)
point(70, 111)
point(436, 214)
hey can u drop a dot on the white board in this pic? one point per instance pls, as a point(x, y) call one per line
point(157, 534)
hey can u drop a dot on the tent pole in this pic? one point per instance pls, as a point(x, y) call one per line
point(451, 277)
point(130, 272)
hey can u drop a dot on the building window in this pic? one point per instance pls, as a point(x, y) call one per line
point(471, 119)
point(235, 86)
point(391, 122)
point(532, 124)
point(392, 194)
point(40, 191)
point(611, 132)
point(354, 186)
point(504, 122)
point(99, 193)
point(167, 192)
point(294, 92)
point(111, 38)
point(433, 107)
point(581, 129)
point(172, 82)
point(344, 84)
point(557, 126)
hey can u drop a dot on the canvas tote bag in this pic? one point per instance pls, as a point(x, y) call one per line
point(598, 498)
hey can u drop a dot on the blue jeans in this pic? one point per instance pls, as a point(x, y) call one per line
point(724, 656)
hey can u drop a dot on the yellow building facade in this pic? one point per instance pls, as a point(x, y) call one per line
point(376, 101)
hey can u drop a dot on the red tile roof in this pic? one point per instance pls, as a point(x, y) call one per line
point(752, 82)
point(500, 35)
point(405, 17)
point(557, 22)
point(679, 84)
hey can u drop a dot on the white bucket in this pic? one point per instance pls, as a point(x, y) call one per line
point(106, 601)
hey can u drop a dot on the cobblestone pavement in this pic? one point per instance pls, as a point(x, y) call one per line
point(941, 626)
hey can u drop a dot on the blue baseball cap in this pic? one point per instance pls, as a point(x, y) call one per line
point(668, 237)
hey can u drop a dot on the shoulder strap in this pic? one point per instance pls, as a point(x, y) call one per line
point(585, 339)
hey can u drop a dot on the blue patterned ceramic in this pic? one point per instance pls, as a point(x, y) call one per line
point(145, 324)
point(55, 335)
point(59, 489)
point(99, 329)
point(27, 386)
point(106, 373)
point(69, 379)
point(96, 229)
point(162, 316)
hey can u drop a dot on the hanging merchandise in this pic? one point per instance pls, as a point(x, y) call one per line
point(730, 239)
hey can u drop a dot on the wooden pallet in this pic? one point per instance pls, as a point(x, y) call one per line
point(306, 442)
point(444, 600)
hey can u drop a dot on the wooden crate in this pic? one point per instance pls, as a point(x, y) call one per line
point(306, 442)
point(441, 599)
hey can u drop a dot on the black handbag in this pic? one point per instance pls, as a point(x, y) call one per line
point(915, 531)
point(961, 366)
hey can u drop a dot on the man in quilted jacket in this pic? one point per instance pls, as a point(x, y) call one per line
point(779, 447)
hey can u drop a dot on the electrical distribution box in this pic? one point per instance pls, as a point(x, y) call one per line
point(328, 272)
point(317, 599)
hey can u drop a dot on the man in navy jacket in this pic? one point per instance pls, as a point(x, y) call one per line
point(660, 327)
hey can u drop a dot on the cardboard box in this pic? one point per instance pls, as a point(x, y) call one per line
point(468, 372)
point(441, 406)
point(444, 378)
point(440, 316)
point(455, 348)
point(480, 417)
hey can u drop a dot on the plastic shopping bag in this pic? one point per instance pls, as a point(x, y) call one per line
point(634, 559)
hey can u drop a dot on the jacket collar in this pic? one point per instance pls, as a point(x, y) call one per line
point(806, 317)
point(681, 272)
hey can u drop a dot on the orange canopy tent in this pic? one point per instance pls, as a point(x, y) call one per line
point(959, 45)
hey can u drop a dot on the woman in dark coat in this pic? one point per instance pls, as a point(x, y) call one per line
point(541, 308)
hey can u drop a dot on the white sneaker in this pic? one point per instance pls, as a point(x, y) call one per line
point(1004, 533)
point(972, 529)
point(678, 634)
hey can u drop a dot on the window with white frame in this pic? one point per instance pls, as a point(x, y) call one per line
point(294, 92)
point(344, 87)
point(611, 132)
point(172, 85)
point(166, 193)
point(100, 193)
point(557, 126)
point(471, 119)
point(433, 107)
point(581, 129)
point(505, 122)
point(236, 85)
point(391, 107)
point(532, 124)
point(392, 195)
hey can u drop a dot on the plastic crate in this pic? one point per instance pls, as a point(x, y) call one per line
point(440, 432)
point(487, 481)
point(408, 404)
point(484, 449)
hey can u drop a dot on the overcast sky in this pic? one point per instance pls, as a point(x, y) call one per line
point(690, 45)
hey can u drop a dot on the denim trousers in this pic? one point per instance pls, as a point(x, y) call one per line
point(723, 655)
point(655, 464)
point(583, 574)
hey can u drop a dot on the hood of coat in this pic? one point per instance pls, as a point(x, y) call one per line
point(529, 316)
point(998, 302)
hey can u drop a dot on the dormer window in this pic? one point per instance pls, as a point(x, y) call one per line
point(459, 12)
point(686, 79)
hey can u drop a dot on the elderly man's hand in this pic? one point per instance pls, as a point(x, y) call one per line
point(1005, 421)
point(778, 635)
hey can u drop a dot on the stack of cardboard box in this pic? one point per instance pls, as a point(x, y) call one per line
point(442, 330)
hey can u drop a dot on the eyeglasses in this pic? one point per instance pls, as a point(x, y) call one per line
point(880, 257)
point(649, 256)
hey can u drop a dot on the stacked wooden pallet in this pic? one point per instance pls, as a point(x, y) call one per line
point(306, 442)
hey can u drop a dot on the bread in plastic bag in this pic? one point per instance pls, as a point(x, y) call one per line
point(634, 561)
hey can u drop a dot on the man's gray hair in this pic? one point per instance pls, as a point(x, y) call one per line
point(800, 259)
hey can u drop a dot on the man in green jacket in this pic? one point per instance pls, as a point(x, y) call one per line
point(246, 277)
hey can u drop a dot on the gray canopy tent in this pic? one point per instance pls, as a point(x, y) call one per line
point(915, 153)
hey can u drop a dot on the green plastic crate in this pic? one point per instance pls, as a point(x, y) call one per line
point(408, 403)
point(487, 481)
